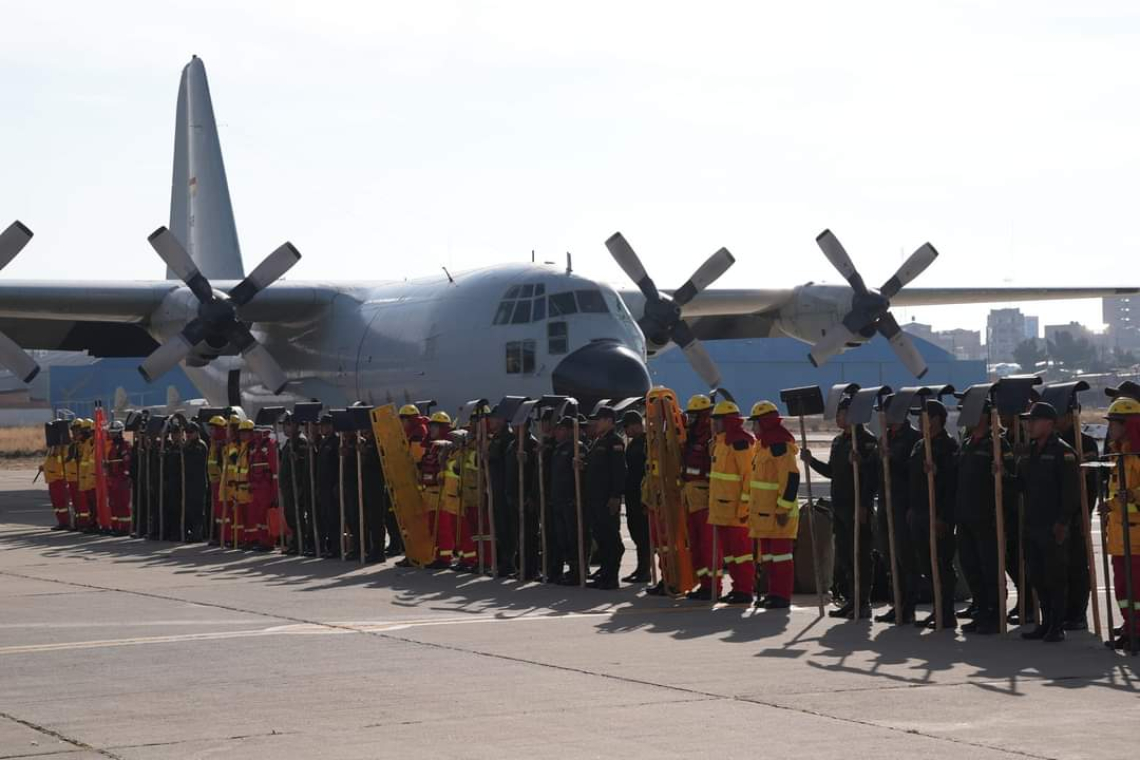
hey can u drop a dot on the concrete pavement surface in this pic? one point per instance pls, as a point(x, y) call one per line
point(122, 648)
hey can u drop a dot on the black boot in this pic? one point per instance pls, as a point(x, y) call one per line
point(842, 612)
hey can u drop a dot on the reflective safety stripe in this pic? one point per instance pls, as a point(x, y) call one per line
point(725, 476)
point(765, 485)
point(745, 497)
point(738, 560)
point(766, 557)
point(693, 471)
point(1123, 604)
point(793, 506)
point(781, 557)
point(702, 571)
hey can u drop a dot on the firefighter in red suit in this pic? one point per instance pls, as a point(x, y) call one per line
point(118, 466)
point(416, 431)
point(52, 469)
point(262, 491)
point(440, 521)
point(695, 466)
point(214, 466)
point(71, 474)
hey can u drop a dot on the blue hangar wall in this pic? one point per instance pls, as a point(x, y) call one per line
point(759, 369)
point(78, 387)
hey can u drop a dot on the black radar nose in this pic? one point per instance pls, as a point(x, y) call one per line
point(602, 369)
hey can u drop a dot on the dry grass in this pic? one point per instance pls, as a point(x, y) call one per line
point(21, 442)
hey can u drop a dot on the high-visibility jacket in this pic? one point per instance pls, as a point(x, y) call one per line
point(214, 461)
point(87, 465)
point(237, 472)
point(1116, 516)
point(53, 465)
point(470, 479)
point(771, 491)
point(71, 462)
point(695, 465)
point(452, 496)
point(731, 464)
point(118, 459)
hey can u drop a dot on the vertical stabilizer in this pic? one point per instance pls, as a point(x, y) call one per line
point(201, 216)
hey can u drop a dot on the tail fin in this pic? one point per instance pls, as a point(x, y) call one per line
point(201, 216)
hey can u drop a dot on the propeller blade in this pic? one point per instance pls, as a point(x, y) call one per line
point(839, 259)
point(695, 352)
point(274, 266)
point(16, 360)
point(706, 275)
point(171, 251)
point(915, 265)
point(626, 259)
point(830, 344)
point(902, 345)
point(12, 241)
point(258, 358)
point(166, 357)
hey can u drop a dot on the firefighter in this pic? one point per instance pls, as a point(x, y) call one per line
point(431, 472)
point(944, 452)
point(328, 477)
point(1077, 591)
point(53, 470)
point(976, 516)
point(452, 494)
point(1124, 439)
point(215, 464)
point(773, 509)
point(87, 474)
point(416, 432)
point(262, 490)
point(842, 474)
point(636, 520)
point(375, 497)
point(603, 486)
point(118, 468)
point(195, 457)
point(901, 438)
point(172, 484)
point(1048, 477)
point(71, 475)
point(529, 497)
point(237, 484)
point(696, 464)
point(724, 541)
point(295, 486)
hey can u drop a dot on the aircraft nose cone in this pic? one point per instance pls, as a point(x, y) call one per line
point(602, 369)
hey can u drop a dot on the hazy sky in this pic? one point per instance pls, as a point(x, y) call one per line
point(389, 139)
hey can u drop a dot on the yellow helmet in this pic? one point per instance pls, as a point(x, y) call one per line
point(725, 408)
point(235, 420)
point(77, 423)
point(442, 418)
point(88, 423)
point(409, 410)
point(217, 421)
point(1123, 407)
point(245, 425)
point(760, 408)
point(698, 403)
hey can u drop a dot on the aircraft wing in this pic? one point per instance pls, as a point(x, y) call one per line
point(949, 296)
point(109, 319)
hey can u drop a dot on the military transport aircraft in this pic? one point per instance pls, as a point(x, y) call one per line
point(515, 328)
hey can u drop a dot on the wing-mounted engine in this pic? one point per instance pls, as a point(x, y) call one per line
point(813, 311)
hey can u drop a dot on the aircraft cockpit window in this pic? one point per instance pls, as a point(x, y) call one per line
point(520, 357)
point(539, 289)
point(523, 304)
point(538, 312)
point(503, 315)
point(526, 291)
point(557, 337)
point(591, 302)
point(513, 292)
point(562, 304)
point(522, 313)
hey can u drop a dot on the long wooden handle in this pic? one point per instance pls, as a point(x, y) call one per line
point(521, 453)
point(1086, 522)
point(858, 510)
point(811, 522)
point(935, 570)
point(340, 496)
point(999, 515)
point(578, 505)
point(885, 448)
point(360, 500)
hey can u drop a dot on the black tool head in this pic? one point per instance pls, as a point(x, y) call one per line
point(974, 403)
point(266, 415)
point(307, 411)
point(361, 416)
point(803, 402)
point(342, 421)
point(864, 403)
point(838, 396)
point(1063, 396)
point(1014, 393)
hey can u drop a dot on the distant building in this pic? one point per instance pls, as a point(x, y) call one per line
point(963, 344)
point(1122, 315)
point(1075, 329)
point(1005, 329)
point(1032, 326)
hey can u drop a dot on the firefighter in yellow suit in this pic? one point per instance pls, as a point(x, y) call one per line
point(87, 474)
point(773, 509)
point(726, 541)
point(1124, 440)
point(53, 470)
point(237, 482)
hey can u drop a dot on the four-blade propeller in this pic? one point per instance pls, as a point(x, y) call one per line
point(662, 322)
point(12, 357)
point(870, 310)
point(217, 322)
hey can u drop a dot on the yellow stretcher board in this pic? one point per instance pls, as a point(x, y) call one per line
point(667, 510)
point(403, 485)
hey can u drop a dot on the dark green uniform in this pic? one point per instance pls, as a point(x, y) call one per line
point(604, 482)
point(944, 452)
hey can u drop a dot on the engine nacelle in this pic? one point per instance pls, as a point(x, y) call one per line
point(813, 311)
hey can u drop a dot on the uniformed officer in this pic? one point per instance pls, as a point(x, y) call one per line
point(295, 486)
point(636, 520)
point(901, 438)
point(773, 506)
point(375, 497)
point(506, 519)
point(604, 484)
point(529, 495)
point(328, 476)
point(976, 516)
point(195, 456)
point(944, 451)
point(1048, 476)
point(172, 484)
point(839, 469)
point(563, 524)
point(1077, 590)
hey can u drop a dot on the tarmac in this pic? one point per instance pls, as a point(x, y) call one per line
point(124, 648)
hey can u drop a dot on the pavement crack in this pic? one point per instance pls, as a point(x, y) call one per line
point(79, 745)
